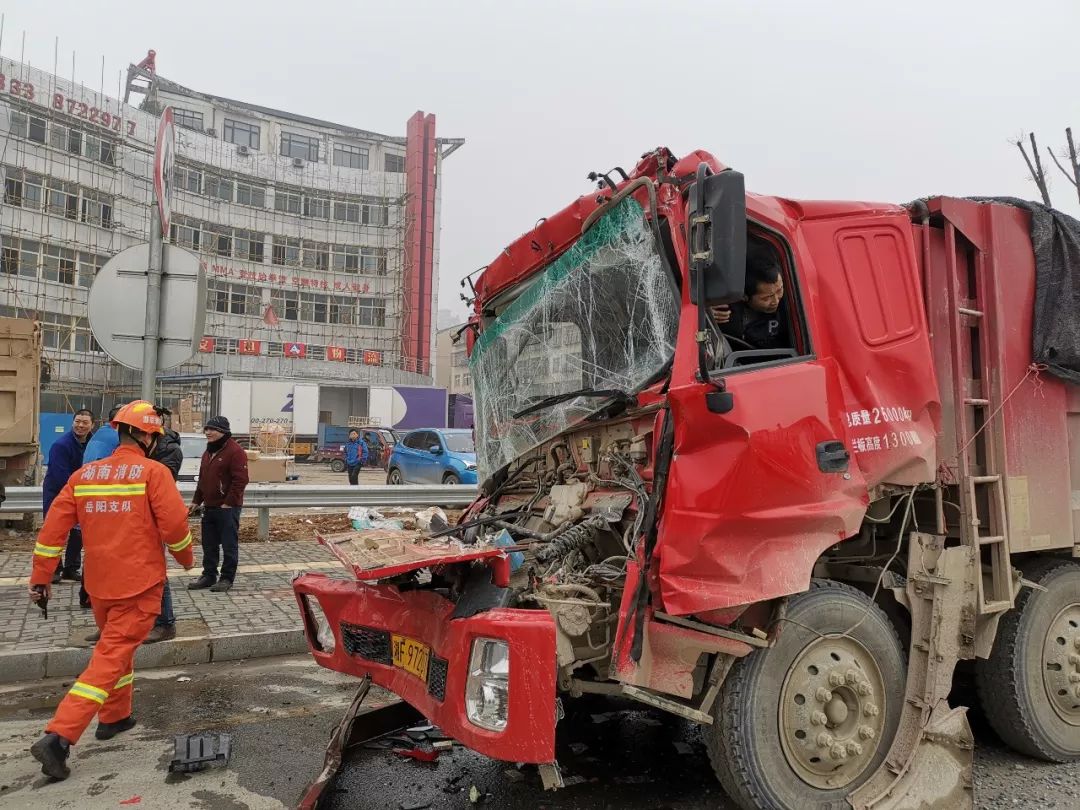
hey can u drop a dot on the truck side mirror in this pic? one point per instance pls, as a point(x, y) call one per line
point(717, 237)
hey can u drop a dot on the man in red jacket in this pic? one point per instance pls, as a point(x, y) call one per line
point(127, 506)
point(223, 475)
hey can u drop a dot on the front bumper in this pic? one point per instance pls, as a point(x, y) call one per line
point(363, 616)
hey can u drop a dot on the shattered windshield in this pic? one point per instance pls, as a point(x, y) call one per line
point(603, 316)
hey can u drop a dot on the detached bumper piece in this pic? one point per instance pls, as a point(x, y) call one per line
point(195, 752)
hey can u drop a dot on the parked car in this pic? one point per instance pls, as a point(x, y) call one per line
point(193, 445)
point(433, 457)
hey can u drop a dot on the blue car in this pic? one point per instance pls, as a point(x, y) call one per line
point(433, 457)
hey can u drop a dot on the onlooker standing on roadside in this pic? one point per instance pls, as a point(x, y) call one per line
point(223, 475)
point(65, 457)
point(355, 456)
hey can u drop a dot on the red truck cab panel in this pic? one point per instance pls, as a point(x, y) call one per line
point(363, 617)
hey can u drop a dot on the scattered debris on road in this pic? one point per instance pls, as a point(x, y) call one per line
point(194, 752)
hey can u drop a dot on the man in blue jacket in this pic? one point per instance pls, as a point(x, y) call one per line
point(65, 457)
point(355, 456)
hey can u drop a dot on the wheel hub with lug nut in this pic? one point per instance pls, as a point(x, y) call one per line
point(1061, 664)
point(831, 712)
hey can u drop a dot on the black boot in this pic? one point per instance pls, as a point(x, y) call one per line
point(106, 731)
point(52, 752)
point(202, 582)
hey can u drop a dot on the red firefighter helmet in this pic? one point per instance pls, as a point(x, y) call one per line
point(140, 415)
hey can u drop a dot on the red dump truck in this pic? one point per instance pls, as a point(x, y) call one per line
point(793, 546)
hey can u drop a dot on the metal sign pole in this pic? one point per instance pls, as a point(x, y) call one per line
point(153, 305)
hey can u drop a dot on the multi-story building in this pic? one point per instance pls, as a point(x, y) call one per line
point(451, 364)
point(320, 240)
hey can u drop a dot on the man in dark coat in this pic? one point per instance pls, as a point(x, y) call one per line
point(65, 457)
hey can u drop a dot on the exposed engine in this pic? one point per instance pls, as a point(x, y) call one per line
point(574, 510)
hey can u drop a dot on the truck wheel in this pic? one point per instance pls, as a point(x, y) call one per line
point(1029, 687)
point(337, 465)
point(803, 723)
point(450, 479)
point(394, 476)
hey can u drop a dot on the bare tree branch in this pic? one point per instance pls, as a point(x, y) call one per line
point(1073, 161)
point(1057, 163)
point(1043, 187)
point(1036, 174)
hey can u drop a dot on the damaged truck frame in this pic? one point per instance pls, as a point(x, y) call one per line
point(747, 538)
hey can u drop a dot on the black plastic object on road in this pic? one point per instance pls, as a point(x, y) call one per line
point(194, 752)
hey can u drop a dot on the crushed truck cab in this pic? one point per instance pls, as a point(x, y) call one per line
point(737, 455)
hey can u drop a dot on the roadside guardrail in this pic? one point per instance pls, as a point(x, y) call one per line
point(264, 497)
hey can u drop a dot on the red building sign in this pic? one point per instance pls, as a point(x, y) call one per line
point(372, 358)
point(298, 350)
point(248, 347)
point(207, 344)
point(336, 353)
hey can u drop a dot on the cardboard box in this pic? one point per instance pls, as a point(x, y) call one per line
point(268, 470)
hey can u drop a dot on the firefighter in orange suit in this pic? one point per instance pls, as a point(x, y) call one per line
point(128, 507)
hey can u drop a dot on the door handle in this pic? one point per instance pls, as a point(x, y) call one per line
point(832, 457)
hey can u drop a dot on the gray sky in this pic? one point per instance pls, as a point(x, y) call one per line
point(823, 99)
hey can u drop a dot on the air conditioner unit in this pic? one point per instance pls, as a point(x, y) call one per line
point(298, 162)
point(212, 132)
point(242, 150)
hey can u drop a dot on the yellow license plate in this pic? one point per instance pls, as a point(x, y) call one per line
point(411, 656)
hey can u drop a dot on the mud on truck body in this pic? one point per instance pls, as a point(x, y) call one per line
point(792, 547)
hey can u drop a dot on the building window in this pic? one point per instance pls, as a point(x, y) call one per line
point(248, 194)
point(89, 264)
point(350, 157)
point(375, 215)
point(286, 251)
point(316, 208)
point(58, 264)
point(286, 202)
point(20, 257)
point(65, 139)
point(188, 179)
point(219, 240)
point(97, 209)
point(27, 126)
point(185, 232)
point(248, 245)
point(347, 212)
point(24, 189)
point(233, 299)
point(371, 312)
point(299, 146)
point(317, 255)
point(101, 150)
point(342, 311)
point(241, 133)
point(219, 187)
point(373, 261)
point(286, 304)
point(188, 119)
point(394, 163)
point(63, 199)
point(346, 259)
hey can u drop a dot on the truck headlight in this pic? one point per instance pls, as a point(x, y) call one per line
point(324, 635)
point(487, 689)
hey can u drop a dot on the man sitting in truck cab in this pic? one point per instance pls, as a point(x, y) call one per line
point(760, 320)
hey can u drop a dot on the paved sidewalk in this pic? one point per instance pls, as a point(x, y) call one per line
point(258, 617)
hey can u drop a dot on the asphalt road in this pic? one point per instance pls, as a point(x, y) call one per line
point(280, 713)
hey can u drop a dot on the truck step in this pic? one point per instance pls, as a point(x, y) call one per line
point(991, 540)
point(985, 479)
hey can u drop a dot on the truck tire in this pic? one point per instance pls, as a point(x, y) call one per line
point(337, 465)
point(803, 723)
point(1029, 687)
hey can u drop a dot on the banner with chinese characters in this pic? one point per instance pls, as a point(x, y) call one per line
point(336, 353)
point(207, 345)
point(298, 350)
point(249, 347)
point(275, 279)
point(372, 358)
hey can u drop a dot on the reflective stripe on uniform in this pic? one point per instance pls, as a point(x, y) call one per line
point(125, 681)
point(42, 550)
point(87, 490)
point(85, 690)
point(180, 545)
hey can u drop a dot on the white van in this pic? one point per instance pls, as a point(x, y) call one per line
point(193, 445)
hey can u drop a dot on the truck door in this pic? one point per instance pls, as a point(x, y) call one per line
point(756, 494)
